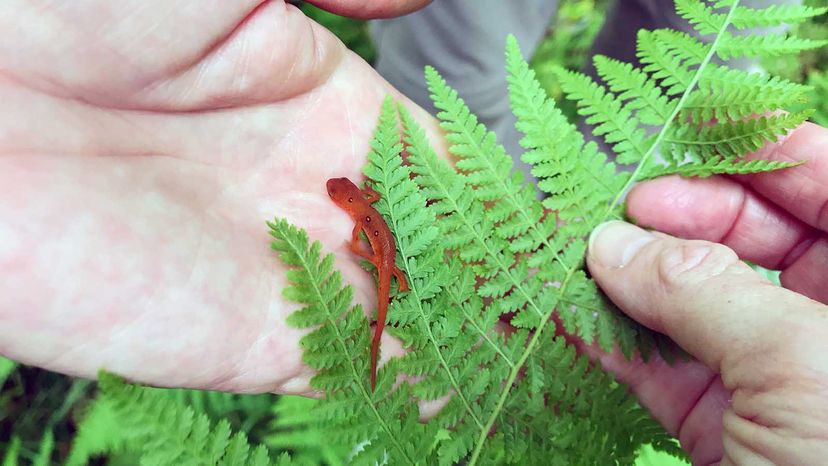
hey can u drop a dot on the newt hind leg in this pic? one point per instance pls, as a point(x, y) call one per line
point(401, 281)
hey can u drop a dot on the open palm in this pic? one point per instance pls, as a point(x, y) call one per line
point(143, 145)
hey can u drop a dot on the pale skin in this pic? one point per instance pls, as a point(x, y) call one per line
point(144, 144)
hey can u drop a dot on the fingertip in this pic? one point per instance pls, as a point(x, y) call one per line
point(370, 9)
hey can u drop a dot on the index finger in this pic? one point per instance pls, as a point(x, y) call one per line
point(801, 190)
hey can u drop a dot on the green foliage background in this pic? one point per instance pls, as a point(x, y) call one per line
point(40, 411)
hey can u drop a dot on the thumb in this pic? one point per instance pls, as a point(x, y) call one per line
point(700, 294)
point(370, 9)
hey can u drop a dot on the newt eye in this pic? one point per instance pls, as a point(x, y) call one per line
point(376, 232)
point(350, 199)
point(368, 219)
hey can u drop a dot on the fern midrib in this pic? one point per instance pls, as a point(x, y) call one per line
point(711, 142)
point(545, 317)
point(507, 386)
point(565, 283)
point(422, 314)
point(341, 341)
point(723, 103)
point(678, 108)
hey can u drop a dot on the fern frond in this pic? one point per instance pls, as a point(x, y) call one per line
point(165, 433)
point(682, 45)
point(560, 158)
point(7, 366)
point(774, 15)
point(99, 432)
point(635, 87)
point(668, 63)
point(296, 427)
point(453, 337)
point(44, 450)
point(343, 373)
point(728, 94)
point(564, 162)
point(706, 20)
point(505, 280)
point(718, 166)
point(700, 15)
point(612, 120)
point(444, 352)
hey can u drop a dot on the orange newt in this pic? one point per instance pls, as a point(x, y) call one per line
point(357, 202)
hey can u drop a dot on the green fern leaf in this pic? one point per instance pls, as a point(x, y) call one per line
point(665, 61)
point(727, 94)
point(612, 120)
point(727, 141)
point(99, 432)
point(150, 422)
point(10, 458)
point(44, 450)
point(706, 20)
point(688, 49)
point(771, 45)
point(774, 15)
point(7, 366)
point(635, 87)
point(700, 15)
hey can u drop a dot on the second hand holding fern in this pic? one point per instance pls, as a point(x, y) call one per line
point(357, 202)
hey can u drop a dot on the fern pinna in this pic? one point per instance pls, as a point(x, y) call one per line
point(480, 250)
point(151, 423)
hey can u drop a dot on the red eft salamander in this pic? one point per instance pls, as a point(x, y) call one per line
point(357, 202)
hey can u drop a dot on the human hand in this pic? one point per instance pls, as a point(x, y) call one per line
point(758, 393)
point(143, 145)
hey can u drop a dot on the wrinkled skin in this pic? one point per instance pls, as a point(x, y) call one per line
point(757, 393)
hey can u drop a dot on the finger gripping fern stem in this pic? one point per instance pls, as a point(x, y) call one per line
point(711, 52)
point(564, 285)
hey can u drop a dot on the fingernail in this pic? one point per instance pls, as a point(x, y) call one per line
point(615, 243)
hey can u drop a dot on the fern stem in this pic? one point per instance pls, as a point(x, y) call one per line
point(320, 298)
point(481, 439)
point(711, 52)
point(562, 291)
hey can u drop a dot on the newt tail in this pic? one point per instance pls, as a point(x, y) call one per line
point(357, 203)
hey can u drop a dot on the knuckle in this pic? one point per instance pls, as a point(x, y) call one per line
point(688, 263)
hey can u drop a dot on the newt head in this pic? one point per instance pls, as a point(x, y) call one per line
point(343, 191)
